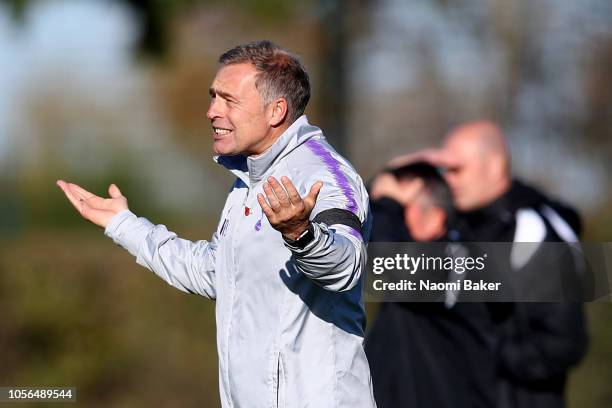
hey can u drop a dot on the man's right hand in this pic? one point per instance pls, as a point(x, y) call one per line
point(435, 157)
point(91, 207)
point(404, 192)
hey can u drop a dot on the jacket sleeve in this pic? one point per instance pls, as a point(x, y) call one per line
point(185, 265)
point(334, 259)
point(337, 255)
point(553, 339)
point(544, 340)
point(390, 225)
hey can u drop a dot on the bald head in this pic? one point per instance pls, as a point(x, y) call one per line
point(479, 170)
point(484, 137)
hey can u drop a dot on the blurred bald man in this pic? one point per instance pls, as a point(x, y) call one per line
point(540, 342)
point(479, 164)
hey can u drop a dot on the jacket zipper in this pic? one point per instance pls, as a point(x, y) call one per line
point(280, 382)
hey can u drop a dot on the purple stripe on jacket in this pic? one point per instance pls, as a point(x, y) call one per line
point(334, 167)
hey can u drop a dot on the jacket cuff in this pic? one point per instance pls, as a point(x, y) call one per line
point(128, 231)
point(302, 251)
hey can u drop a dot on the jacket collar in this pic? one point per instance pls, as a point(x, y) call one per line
point(253, 169)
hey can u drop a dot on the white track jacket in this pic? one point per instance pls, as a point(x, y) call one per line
point(290, 322)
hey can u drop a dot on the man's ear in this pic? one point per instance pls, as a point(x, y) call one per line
point(407, 216)
point(498, 167)
point(438, 221)
point(277, 111)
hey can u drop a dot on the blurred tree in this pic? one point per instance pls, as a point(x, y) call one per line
point(332, 97)
point(340, 21)
point(156, 16)
point(598, 121)
point(17, 7)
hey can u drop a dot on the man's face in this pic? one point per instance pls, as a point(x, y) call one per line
point(467, 174)
point(424, 221)
point(237, 113)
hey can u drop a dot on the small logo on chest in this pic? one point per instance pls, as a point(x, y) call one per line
point(224, 227)
point(248, 211)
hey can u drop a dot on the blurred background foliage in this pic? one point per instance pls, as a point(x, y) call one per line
point(102, 91)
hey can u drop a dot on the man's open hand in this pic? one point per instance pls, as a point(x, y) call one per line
point(93, 208)
point(402, 191)
point(285, 209)
point(435, 157)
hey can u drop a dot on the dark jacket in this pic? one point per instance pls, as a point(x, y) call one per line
point(540, 342)
point(423, 354)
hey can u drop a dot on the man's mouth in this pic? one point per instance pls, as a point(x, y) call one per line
point(220, 131)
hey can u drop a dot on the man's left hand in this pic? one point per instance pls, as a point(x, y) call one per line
point(286, 210)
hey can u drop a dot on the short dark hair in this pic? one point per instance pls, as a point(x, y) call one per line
point(435, 186)
point(280, 74)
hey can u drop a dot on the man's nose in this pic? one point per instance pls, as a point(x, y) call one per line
point(451, 178)
point(213, 110)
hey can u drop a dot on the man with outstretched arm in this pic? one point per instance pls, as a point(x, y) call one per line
point(285, 263)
